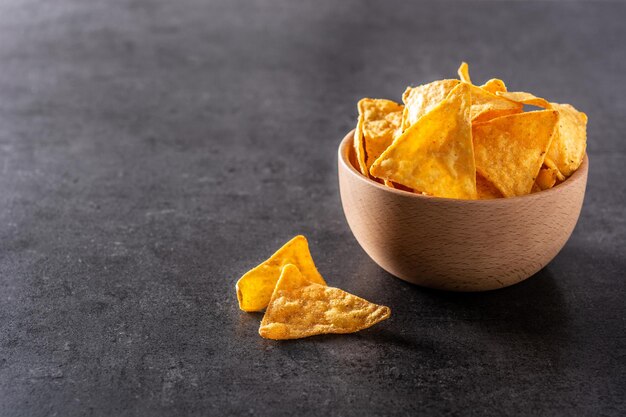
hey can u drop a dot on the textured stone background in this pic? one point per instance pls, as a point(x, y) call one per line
point(153, 151)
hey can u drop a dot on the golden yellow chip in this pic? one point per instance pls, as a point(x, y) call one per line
point(494, 86)
point(510, 150)
point(550, 164)
point(420, 100)
point(485, 189)
point(299, 308)
point(546, 178)
point(569, 144)
point(378, 121)
point(525, 98)
point(568, 149)
point(435, 155)
point(359, 146)
point(486, 106)
point(255, 288)
point(464, 73)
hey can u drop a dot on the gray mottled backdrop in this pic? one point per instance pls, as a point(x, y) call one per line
point(153, 151)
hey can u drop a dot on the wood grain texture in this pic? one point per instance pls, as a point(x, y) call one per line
point(458, 245)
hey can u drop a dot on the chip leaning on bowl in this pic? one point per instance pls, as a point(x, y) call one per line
point(453, 139)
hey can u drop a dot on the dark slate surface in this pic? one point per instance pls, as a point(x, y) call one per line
point(153, 151)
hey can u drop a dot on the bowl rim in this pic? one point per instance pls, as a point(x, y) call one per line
point(579, 175)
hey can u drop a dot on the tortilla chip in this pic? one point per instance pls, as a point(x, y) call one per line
point(510, 150)
point(299, 308)
point(420, 100)
point(255, 287)
point(546, 178)
point(525, 98)
point(485, 189)
point(378, 121)
point(464, 73)
point(359, 146)
point(494, 86)
point(550, 164)
point(568, 148)
point(435, 155)
point(487, 106)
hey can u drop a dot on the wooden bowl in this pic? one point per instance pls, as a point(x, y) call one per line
point(458, 245)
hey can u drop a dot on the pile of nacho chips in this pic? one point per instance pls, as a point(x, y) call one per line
point(297, 301)
point(454, 139)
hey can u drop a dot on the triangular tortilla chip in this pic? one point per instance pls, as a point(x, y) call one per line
point(378, 121)
point(299, 308)
point(510, 150)
point(255, 288)
point(568, 148)
point(420, 100)
point(494, 86)
point(569, 144)
point(463, 72)
point(435, 155)
point(486, 106)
